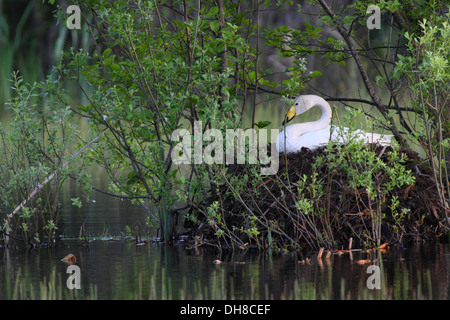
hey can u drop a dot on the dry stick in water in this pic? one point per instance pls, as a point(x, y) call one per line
point(40, 186)
point(319, 255)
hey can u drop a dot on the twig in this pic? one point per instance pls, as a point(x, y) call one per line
point(40, 186)
point(319, 255)
point(376, 99)
point(256, 65)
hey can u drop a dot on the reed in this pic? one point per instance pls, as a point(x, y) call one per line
point(10, 54)
point(52, 287)
point(319, 285)
point(20, 48)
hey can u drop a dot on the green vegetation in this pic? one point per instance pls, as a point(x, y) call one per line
point(372, 184)
point(33, 148)
point(159, 66)
point(10, 43)
point(31, 41)
point(425, 69)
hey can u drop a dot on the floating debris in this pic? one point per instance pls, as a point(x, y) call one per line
point(70, 258)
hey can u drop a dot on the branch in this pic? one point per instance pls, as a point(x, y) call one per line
point(376, 99)
point(40, 186)
point(370, 103)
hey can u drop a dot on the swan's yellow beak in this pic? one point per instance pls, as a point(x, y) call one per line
point(290, 115)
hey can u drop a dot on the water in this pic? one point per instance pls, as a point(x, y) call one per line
point(118, 269)
point(115, 268)
point(101, 215)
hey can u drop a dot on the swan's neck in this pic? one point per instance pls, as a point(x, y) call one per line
point(325, 118)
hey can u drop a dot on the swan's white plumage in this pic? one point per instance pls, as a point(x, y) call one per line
point(317, 133)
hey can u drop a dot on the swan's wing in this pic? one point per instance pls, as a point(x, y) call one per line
point(315, 139)
point(294, 143)
point(345, 135)
point(296, 140)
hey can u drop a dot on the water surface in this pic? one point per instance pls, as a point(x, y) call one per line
point(116, 268)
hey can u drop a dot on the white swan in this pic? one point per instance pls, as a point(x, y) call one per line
point(317, 133)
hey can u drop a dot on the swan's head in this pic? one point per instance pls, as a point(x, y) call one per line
point(301, 105)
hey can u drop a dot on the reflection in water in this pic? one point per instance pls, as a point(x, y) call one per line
point(117, 269)
point(102, 215)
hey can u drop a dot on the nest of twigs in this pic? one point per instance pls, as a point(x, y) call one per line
point(268, 207)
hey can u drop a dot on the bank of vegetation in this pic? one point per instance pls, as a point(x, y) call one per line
point(158, 66)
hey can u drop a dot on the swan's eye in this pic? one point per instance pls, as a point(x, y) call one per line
point(296, 103)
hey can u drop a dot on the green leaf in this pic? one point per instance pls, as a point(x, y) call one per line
point(252, 75)
point(115, 67)
point(284, 29)
point(227, 34)
point(213, 11)
point(263, 124)
point(82, 108)
point(76, 202)
point(106, 53)
point(214, 26)
point(379, 80)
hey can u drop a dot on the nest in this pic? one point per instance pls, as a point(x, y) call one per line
point(264, 211)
